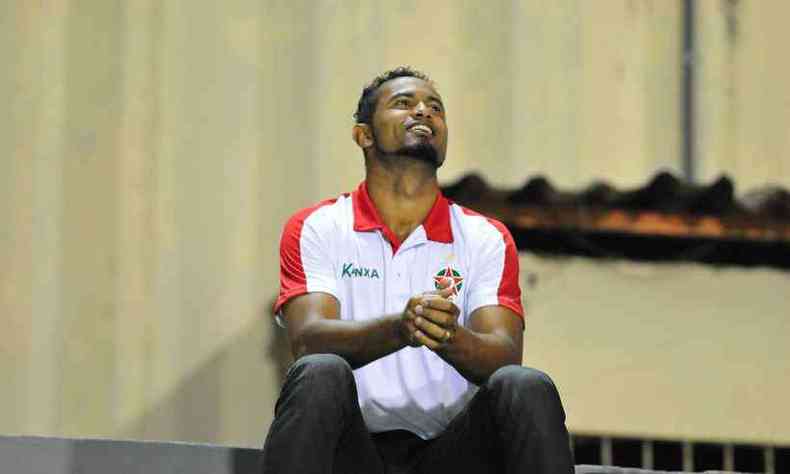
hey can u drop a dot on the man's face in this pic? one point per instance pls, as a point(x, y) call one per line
point(409, 120)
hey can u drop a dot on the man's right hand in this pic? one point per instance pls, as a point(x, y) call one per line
point(407, 327)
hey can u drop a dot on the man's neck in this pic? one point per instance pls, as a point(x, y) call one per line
point(403, 194)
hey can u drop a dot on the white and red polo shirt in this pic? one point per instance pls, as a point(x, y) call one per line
point(342, 247)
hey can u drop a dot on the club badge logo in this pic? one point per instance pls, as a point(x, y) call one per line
point(449, 273)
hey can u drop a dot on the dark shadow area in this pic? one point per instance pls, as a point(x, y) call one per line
point(782, 460)
point(586, 450)
point(708, 456)
point(667, 456)
point(749, 459)
point(627, 452)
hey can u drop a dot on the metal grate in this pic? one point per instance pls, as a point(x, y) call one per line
point(680, 455)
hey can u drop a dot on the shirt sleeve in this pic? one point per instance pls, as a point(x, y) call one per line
point(496, 274)
point(305, 263)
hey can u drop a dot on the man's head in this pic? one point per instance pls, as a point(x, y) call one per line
point(400, 114)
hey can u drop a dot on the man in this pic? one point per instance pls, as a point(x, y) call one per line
point(404, 315)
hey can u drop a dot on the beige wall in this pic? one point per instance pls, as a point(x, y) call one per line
point(150, 152)
point(743, 100)
point(679, 351)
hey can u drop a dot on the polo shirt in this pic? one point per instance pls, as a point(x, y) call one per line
point(342, 247)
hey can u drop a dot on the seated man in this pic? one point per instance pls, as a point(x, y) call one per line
point(404, 315)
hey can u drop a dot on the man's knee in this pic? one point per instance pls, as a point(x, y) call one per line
point(524, 385)
point(522, 377)
point(318, 380)
point(323, 368)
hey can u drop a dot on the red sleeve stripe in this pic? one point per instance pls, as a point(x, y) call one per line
point(293, 281)
point(509, 292)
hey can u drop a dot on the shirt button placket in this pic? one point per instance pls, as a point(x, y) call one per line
point(390, 282)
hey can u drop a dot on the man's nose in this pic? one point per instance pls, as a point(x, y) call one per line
point(421, 109)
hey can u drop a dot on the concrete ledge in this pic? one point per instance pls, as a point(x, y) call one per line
point(40, 455)
point(36, 455)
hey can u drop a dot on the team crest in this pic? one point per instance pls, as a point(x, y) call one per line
point(452, 274)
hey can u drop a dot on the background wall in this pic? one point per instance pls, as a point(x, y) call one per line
point(150, 152)
point(677, 351)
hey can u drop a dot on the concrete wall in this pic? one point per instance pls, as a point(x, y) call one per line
point(743, 101)
point(658, 350)
point(150, 152)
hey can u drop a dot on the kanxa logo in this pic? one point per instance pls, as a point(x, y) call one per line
point(351, 271)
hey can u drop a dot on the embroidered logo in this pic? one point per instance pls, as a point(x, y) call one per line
point(350, 271)
point(451, 274)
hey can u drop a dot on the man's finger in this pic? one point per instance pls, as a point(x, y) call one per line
point(430, 328)
point(441, 304)
point(413, 301)
point(442, 318)
point(411, 329)
point(428, 342)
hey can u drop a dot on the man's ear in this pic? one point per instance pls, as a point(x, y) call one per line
point(362, 135)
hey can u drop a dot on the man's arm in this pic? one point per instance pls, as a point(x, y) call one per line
point(493, 339)
point(314, 326)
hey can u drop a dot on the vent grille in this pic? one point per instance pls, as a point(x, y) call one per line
point(680, 455)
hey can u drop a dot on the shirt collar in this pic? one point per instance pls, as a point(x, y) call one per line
point(366, 217)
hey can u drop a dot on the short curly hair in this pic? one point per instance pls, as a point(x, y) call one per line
point(367, 101)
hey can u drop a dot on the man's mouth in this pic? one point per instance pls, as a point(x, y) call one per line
point(421, 129)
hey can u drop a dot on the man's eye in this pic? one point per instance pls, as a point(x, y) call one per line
point(437, 108)
point(402, 102)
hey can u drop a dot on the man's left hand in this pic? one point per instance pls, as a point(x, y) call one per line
point(436, 322)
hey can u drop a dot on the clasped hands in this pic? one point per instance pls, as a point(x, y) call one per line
point(431, 319)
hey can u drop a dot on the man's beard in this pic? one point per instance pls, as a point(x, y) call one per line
point(420, 151)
